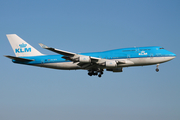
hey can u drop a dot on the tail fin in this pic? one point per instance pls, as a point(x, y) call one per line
point(21, 47)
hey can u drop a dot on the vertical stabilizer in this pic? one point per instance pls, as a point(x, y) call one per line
point(21, 47)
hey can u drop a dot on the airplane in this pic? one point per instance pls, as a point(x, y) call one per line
point(94, 62)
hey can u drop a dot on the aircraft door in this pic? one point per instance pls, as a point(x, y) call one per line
point(151, 55)
point(42, 61)
point(137, 50)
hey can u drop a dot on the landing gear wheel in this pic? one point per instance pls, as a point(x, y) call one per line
point(90, 74)
point(96, 73)
point(157, 70)
point(93, 72)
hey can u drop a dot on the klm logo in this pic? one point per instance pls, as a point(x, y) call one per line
point(22, 48)
point(142, 53)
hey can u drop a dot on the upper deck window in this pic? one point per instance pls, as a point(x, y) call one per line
point(144, 49)
point(127, 50)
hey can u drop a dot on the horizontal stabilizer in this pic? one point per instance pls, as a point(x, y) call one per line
point(18, 58)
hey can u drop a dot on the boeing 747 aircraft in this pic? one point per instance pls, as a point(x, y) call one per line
point(94, 62)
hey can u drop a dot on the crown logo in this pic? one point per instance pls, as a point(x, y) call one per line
point(22, 45)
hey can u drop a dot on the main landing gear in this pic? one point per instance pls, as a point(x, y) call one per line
point(95, 72)
point(157, 69)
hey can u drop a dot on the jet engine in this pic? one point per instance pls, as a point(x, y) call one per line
point(110, 64)
point(85, 59)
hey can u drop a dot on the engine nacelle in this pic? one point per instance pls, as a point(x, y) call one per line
point(110, 64)
point(85, 59)
point(116, 69)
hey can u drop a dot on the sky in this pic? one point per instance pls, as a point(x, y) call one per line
point(138, 93)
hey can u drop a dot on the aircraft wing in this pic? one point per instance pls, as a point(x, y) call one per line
point(62, 52)
point(69, 55)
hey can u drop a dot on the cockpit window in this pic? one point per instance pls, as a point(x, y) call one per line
point(161, 48)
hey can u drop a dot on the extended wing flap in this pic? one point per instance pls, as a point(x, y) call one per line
point(18, 58)
point(124, 62)
point(94, 60)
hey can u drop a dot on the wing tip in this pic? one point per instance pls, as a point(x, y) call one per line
point(43, 46)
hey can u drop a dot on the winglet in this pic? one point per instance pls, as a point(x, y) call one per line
point(43, 46)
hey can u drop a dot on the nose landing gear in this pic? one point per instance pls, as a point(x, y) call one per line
point(157, 69)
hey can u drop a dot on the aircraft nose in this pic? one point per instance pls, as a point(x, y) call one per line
point(173, 54)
